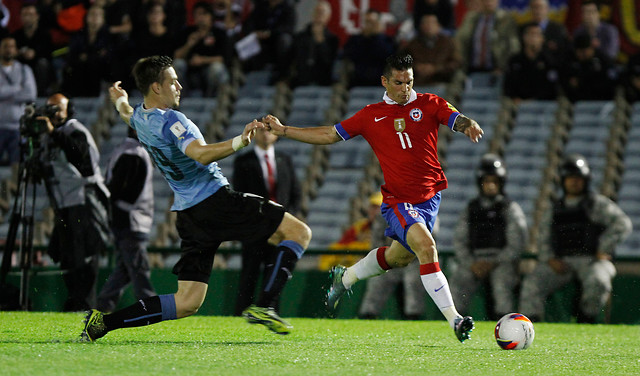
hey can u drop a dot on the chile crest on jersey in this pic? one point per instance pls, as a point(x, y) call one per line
point(415, 114)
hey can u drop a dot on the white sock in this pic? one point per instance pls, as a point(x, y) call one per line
point(367, 267)
point(436, 284)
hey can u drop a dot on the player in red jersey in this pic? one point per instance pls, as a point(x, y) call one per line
point(403, 133)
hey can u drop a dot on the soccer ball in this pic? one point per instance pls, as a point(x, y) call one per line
point(514, 331)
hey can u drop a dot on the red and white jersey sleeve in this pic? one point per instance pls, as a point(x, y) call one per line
point(405, 140)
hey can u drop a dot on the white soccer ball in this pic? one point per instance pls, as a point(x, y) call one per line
point(514, 331)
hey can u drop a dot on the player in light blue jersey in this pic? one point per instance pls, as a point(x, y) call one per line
point(208, 211)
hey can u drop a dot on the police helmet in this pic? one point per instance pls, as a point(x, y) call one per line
point(491, 164)
point(575, 165)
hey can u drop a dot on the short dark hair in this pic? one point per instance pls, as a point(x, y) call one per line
point(149, 70)
point(524, 28)
point(30, 4)
point(399, 62)
point(204, 5)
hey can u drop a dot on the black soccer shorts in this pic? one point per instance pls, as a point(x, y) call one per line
point(225, 215)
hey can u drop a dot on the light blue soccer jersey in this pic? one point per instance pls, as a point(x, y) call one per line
point(166, 134)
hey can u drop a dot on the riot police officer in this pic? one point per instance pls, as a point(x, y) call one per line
point(489, 239)
point(577, 239)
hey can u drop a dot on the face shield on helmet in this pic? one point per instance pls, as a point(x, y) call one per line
point(491, 165)
point(575, 165)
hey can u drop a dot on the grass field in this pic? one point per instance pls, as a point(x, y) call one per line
point(47, 344)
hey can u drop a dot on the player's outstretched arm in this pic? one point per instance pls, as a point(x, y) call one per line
point(322, 135)
point(120, 99)
point(469, 127)
point(205, 153)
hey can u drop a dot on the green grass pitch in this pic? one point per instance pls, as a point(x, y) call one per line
point(47, 344)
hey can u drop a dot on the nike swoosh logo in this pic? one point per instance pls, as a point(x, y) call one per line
point(439, 288)
point(378, 119)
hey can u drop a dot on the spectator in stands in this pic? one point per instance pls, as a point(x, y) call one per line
point(577, 239)
point(202, 53)
point(443, 9)
point(315, 50)
point(379, 289)
point(17, 87)
point(274, 23)
point(487, 38)
point(229, 15)
point(590, 74)
point(35, 47)
point(81, 229)
point(436, 55)
point(557, 45)
point(129, 178)
point(269, 173)
point(366, 51)
point(530, 75)
point(155, 38)
point(174, 11)
point(604, 36)
point(489, 239)
point(89, 58)
point(403, 137)
point(632, 79)
point(118, 20)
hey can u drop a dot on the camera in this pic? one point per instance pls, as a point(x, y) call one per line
point(30, 126)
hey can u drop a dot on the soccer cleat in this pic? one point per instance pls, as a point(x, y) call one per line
point(94, 327)
point(337, 288)
point(267, 317)
point(463, 326)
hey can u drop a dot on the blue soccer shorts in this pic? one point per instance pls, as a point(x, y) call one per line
point(401, 216)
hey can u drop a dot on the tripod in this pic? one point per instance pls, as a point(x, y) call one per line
point(32, 170)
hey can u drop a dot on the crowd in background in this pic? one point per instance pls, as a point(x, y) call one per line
point(78, 46)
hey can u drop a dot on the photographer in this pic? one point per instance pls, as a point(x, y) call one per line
point(81, 226)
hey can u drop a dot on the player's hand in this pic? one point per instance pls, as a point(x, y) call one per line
point(115, 92)
point(250, 131)
point(273, 125)
point(47, 121)
point(474, 132)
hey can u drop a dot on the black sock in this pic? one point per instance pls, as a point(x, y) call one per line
point(144, 312)
point(276, 274)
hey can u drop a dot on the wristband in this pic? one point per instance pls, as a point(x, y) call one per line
point(119, 101)
point(237, 143)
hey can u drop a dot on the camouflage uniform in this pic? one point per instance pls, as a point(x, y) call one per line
point(594, 275)
point(503, 279)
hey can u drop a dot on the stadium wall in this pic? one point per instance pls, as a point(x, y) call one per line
point(304, 296)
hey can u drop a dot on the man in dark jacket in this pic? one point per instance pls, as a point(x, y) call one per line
point(265, 172)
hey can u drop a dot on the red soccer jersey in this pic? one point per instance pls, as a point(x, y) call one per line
point(405, 140)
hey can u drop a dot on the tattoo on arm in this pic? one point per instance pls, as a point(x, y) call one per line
point(462, 123)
